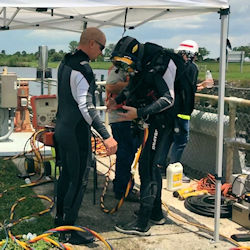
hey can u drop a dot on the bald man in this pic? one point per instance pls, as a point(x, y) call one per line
point(75, 115)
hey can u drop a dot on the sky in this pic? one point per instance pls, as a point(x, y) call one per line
point(204, 29)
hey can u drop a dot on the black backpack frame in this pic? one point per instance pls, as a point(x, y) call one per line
point(183, 86)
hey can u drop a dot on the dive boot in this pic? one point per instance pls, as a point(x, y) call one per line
point(76, 237)
point(157, 219)
point(133, 228)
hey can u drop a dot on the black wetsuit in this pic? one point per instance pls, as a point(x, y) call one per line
point(76, 113)
point(152, 93)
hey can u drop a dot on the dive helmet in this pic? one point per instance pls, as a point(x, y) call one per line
point(188, 47)
point(127, 54)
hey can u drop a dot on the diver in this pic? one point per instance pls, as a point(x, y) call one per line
point(150, 97)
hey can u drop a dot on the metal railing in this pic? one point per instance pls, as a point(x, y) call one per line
point(237, 136)
point(48, 82)
point(237, 121)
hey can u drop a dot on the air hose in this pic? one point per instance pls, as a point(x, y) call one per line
point(13, 222)
point(205, 205)
point(44, 236)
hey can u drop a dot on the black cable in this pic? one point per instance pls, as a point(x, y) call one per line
point(205, 205)
point(25, 145)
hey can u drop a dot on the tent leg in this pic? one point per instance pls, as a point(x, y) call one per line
point(219, 143)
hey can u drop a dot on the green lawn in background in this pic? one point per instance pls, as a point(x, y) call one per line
point(9, 179)
point(100, 65)
point(233, 74)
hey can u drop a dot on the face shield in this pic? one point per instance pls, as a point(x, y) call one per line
point(123, 63)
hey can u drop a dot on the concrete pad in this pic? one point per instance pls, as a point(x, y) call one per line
point(175, 234)
point(17, 143)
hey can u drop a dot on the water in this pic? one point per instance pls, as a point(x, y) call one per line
point(35, 87)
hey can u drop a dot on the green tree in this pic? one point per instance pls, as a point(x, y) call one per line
point(243, 48)
point(51, 52)
point(202, 53)
point(72, 46)
point(100, 58)
point(3, 52)
point(17, 53)
point(108, 50)
point(56, 57)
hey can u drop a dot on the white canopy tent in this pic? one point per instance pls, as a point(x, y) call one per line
point(71, 15)
point(74, 15)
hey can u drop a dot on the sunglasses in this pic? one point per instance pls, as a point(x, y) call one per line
point(102, 47)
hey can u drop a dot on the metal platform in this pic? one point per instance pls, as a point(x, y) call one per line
point(18, 143)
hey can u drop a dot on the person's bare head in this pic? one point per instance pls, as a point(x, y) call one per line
point(92, 42)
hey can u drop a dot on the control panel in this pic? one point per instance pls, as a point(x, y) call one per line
point(44, 110)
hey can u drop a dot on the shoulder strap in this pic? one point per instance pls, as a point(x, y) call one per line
point(140, 55)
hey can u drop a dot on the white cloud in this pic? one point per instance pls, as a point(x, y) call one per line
point(52, 35)
point(192, 22)
point(211, 43)
point(239, 6)
point(240, 40)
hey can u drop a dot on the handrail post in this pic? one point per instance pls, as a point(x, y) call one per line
point(230, 149)
point(106, 118)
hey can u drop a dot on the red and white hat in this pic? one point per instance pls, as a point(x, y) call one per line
point(188, 45)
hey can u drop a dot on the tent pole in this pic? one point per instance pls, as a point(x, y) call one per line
point(85, 24)
point(220, 126)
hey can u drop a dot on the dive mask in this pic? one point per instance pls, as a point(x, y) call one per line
point(123, 63)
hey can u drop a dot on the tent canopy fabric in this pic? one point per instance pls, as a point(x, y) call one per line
point(74, 15)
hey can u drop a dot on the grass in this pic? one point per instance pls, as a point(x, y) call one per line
point(9, 179)
point(101, 65)
point(34, 64)
point(233, 74)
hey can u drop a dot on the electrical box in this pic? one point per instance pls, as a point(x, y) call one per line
point(8, 90)
point(44, 109)
point(240, 183)
point(241, 214)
